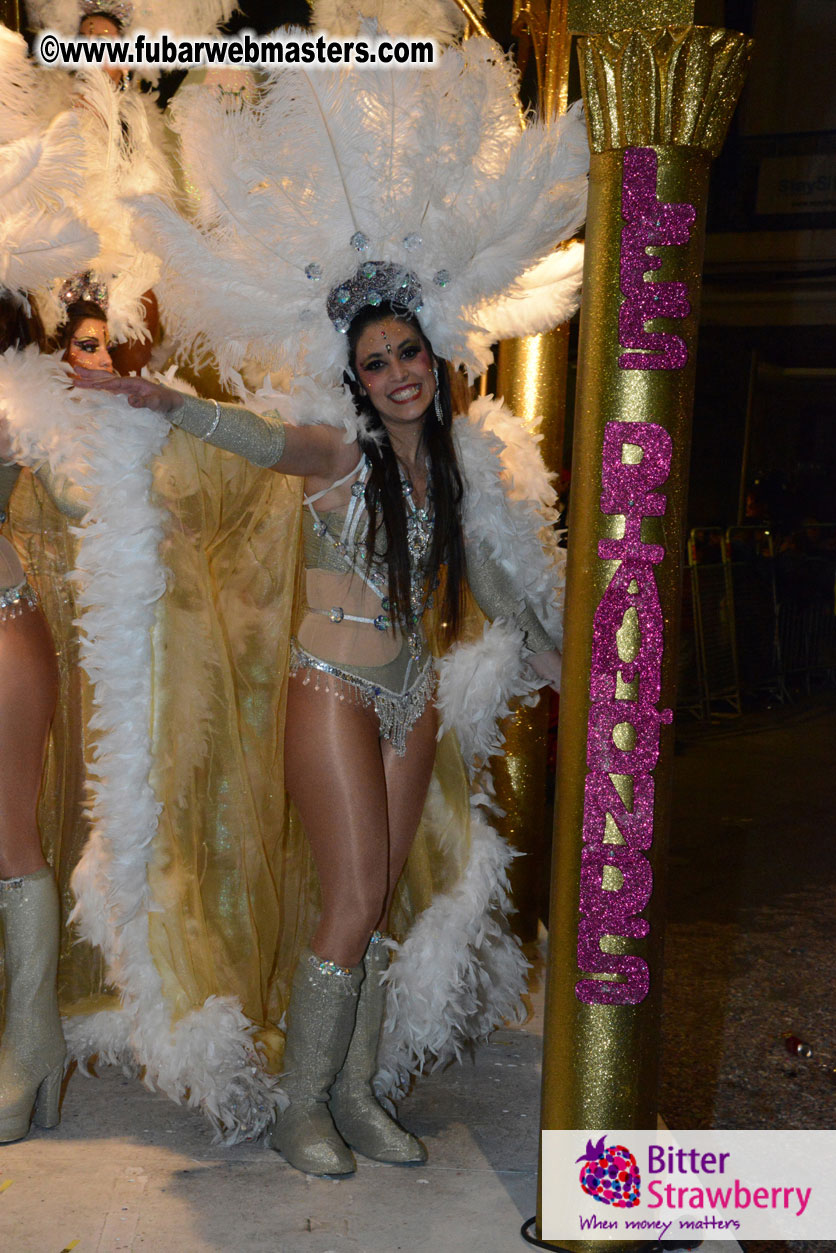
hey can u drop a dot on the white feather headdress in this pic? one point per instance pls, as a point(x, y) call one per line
point(427, 169)
point(185, 17)
point(29, 97)
point(99, 145)
point(41, 239)
point(543, 297)
point(442, 19)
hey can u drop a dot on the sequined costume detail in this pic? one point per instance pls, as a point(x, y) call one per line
point(13, 600)
point(15, 593)
point(347, 633)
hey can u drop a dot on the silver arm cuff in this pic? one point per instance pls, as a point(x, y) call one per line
point(258, 437)
point(495, 594)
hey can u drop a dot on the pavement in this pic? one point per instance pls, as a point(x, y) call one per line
point(750, 957)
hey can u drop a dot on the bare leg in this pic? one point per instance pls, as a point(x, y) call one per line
point(29, 686)
point(360, 805)
point(407, 781)
point(32, 1054)
point(335, 776)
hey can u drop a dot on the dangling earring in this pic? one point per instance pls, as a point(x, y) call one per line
point(439, 412)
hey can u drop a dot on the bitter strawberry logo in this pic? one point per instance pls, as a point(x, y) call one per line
point(610, 1174)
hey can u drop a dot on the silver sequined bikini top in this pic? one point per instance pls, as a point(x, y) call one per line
point(337, 541)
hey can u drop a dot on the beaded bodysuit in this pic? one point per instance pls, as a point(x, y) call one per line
point(347, 633)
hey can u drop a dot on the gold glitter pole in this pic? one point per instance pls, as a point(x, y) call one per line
point(659, 95)
point(10, 14)
point(531, 375)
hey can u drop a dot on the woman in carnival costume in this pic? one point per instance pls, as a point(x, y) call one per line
point(125, 149)
point(406, 205)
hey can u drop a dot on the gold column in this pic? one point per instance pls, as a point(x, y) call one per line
point(531, 375)
point(659, 97)
point(11, 15)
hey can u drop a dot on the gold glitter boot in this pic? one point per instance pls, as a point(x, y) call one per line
point(32, 1050)
point(360, 1120)
point(320, 1020)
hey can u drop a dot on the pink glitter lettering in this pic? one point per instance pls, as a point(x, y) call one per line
point(607, 910)
point(635, 826)
point(649, 222)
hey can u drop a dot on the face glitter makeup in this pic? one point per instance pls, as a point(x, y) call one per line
point(649, 222)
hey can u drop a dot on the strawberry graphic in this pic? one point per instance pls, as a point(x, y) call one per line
point(610, 1174)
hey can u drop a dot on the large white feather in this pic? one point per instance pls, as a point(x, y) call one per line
point(34, 249)
point(544, 297)
point(29, 96)
point(40, 238)
point(441, 19)
point(120, 156)
point(118, 152)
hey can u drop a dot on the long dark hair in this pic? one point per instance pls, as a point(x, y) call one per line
point(384, 497)
point(19, 328)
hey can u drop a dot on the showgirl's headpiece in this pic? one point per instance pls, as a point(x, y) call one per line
point(373, 283)
point(186, 17)
point(120, 10)
point(340, 186)
point(84, 286)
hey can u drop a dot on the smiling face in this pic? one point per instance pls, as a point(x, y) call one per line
point(394, 368)
point(88, 346)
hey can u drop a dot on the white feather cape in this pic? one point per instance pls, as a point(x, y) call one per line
point(459, 972)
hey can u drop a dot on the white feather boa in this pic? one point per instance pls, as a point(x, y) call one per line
point(208, 1058)
point(460, 972)
point(509, 515)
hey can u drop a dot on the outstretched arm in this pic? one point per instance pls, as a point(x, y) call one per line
point(263, 439)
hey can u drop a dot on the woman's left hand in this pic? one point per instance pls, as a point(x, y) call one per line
point(548, 666)
point(141, 393)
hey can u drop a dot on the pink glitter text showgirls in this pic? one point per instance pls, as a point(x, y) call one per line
point(616, 878)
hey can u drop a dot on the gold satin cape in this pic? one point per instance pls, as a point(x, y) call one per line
point(231, 876)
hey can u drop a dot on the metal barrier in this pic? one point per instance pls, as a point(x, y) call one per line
point(806, 578)
point(712, 603)
point(756, 621)
point(750, 561)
